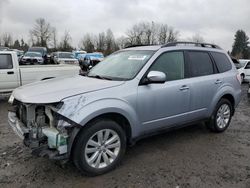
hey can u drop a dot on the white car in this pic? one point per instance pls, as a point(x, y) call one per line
point(65, 58)
point(31, 58)
point(13, 75)
point(245, 70)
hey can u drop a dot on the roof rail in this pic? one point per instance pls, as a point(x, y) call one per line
point(199, 44)
point(136, 45)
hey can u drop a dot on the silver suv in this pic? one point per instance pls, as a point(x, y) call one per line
point(133, 93)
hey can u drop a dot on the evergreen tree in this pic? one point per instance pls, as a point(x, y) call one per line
point(16, 44)
point(240, 46)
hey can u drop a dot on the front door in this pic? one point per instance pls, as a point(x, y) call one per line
point(167, 104)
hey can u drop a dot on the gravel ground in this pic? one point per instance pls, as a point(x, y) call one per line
point(188, 157)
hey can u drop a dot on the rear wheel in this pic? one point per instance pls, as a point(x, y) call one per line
point(99, 147)
point(221, 117)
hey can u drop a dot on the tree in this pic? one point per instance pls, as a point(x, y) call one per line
point(65, 44)
point(17, 44)
point(197, 38)
point(41, 33)
point(54, 38)
point(110, 43)
point(24, 46)
point(150, 33)
point(101, 42)
point(87, 43)
point(240, 45)
point(7, 39)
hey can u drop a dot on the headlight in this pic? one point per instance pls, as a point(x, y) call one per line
point(11, 99)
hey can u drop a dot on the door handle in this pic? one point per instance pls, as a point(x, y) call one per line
point(184, 87)
point(10, 72)
point(218, 81)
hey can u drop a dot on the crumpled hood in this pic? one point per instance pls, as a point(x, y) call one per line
point(54, 90)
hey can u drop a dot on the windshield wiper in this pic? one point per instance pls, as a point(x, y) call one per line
point(99, 77)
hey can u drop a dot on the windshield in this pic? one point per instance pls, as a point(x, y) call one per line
point(32, 54)
point(123, 65)
point(66, 55)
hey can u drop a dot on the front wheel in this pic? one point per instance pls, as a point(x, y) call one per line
point(99, 147)
point(221, 117)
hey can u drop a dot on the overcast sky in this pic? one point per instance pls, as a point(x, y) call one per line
point(215, 20)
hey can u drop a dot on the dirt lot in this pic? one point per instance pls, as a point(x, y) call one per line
point(189, 157)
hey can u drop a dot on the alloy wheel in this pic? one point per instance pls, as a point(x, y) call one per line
point(223, 116)
point(102, 148)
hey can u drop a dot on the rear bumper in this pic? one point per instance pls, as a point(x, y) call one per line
point(238, 97)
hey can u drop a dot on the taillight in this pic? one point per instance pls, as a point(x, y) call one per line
point(239, 78)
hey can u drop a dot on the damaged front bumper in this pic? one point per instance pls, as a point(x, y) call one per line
point(17, 125)
point(44, 141)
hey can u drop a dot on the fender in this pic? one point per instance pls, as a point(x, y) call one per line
point(223, 90)
point(81, 112)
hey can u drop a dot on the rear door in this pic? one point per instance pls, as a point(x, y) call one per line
point(205, 81)
point(9, 78)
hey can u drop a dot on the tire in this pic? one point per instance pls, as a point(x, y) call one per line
point(89, 140)
point(216, 124)
point(242, 78)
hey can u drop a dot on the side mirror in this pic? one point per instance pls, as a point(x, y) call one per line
point(156, 77)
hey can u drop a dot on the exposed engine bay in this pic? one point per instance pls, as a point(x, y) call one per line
point(41, 128)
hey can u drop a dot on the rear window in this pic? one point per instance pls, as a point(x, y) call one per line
point(200, 64)
point(222, 61)
point(5, 61)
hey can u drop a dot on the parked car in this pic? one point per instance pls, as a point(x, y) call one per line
point(65, 57)
point(243, 61)
point(133, 93)
point(77, 53)
point(89, 60)
point(31, 58)
point(20, 53)
point(238, 66)
point(13, 75)
point(2, 48)
point(245, 71)
point(41, 50)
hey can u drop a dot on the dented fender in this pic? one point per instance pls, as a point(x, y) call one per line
point(81, 110)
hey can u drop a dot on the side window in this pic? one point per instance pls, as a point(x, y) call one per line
point(5, 61)
point(248, 65)
point(222, 61)
point(200, 64)
point(172, 64)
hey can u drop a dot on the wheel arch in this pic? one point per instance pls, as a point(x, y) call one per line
point(230, 98)
point(225, 92)
point(120, 119)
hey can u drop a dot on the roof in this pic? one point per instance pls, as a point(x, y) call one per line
point(178, 45)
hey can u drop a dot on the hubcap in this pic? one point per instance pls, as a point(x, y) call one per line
point(223, 116)
point(102, 148)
